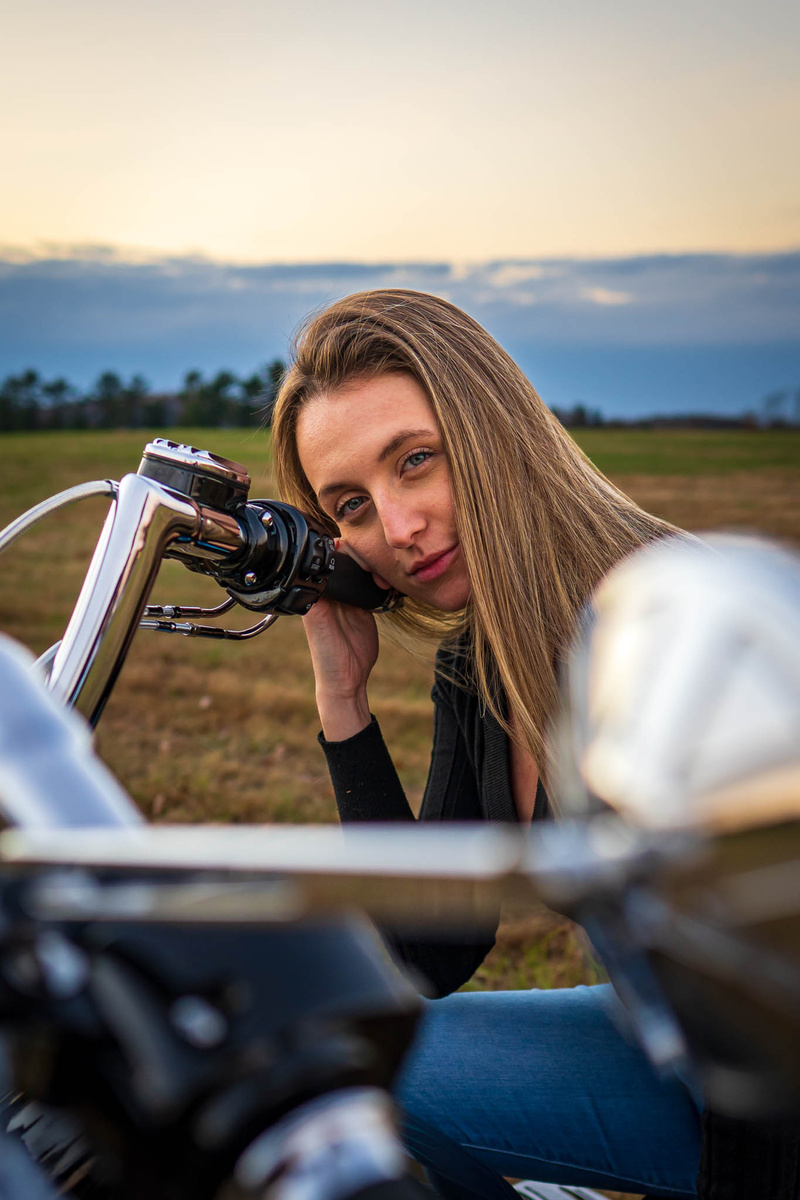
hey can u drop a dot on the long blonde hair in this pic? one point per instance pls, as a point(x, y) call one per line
point(538, 524)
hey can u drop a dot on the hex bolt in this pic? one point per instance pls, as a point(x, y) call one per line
point(266, 519)
point(198, 1022)
point(250, 578)
point(64, 967)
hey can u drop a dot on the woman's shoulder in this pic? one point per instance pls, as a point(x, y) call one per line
point(454, 652)
point(452, 670)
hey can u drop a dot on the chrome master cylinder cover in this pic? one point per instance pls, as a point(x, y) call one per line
point(206, 477)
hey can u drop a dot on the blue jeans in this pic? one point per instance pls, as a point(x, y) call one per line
point(543, 1085)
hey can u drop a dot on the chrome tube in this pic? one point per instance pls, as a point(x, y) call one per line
point(82, 491)
point(146, 519)
point(218, 536)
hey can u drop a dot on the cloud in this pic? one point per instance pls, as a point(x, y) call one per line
point(605, 296)
point(512, 274)
point(77, 311)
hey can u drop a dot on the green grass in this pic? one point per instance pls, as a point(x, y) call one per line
point(33, 466)
point(688, 451)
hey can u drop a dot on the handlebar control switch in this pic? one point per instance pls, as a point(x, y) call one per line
point(288, 564)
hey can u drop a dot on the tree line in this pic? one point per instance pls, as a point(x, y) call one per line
point(28, 401)
point(778, 410)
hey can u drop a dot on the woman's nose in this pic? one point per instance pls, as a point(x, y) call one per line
point(401, 522)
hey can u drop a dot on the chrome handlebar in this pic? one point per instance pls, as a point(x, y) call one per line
point(193, 506)
point(143, 523)
point(147, 523)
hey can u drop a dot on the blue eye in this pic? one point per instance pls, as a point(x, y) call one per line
point(349, 506)
point(417, 458)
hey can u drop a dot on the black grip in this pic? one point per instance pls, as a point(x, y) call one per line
point(351, 584)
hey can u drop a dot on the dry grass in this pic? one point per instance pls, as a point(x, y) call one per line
point(765, 501)
point(539, 949)
point(208, 731)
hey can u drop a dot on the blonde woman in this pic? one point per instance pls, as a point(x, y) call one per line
point(406, 429)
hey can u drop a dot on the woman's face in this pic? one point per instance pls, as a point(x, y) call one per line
point(373, 454)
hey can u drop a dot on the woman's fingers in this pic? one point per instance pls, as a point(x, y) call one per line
point(343, 641)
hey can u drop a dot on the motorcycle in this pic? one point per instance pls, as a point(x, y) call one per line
point(213, 1005)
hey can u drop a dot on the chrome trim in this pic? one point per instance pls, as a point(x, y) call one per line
point(146, 519)
point(429, 875)
point(190, 457)
point(82, 491)
point(190, 629)
point(49, 776)
point(44, 663)
point(217, 536)
point(441, 876)
point(188, 610)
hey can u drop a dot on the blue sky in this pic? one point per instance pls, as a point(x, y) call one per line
point(631, 335)
point(613, 190)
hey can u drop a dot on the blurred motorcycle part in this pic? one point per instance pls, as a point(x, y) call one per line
point(684, 716)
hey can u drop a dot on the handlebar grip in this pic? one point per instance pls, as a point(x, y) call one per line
point(351, 584)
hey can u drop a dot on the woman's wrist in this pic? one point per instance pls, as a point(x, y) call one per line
point(343, 717)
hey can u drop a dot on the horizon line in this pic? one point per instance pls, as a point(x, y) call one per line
point(100, 253)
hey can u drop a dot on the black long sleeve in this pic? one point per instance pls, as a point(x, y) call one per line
point(367, 788)
point(365, 782)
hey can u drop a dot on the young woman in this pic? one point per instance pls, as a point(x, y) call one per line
point(408, 431)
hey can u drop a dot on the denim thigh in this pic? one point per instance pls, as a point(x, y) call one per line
point(543, 1085)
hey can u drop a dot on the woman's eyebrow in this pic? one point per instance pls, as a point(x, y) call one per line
point(403, 436)
point(399, 438)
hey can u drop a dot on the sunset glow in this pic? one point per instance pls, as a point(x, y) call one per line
point(266, 132)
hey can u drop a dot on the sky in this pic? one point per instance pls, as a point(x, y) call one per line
point(628, 336)
point(517, 136)
point(420, 130)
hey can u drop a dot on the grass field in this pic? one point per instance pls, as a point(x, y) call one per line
point(209, 731)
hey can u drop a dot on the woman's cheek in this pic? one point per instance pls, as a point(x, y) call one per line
point(357, 550)
point(383, 567)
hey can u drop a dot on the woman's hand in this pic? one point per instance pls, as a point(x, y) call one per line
point(343, 641)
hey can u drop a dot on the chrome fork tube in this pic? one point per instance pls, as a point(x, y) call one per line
point(146, 518)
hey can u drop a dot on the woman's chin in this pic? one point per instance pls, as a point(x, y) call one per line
point(451, 596)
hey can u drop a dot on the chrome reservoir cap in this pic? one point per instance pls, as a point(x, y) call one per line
point(207, 478)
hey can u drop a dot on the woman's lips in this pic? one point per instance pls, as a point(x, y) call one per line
point(432, 570)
